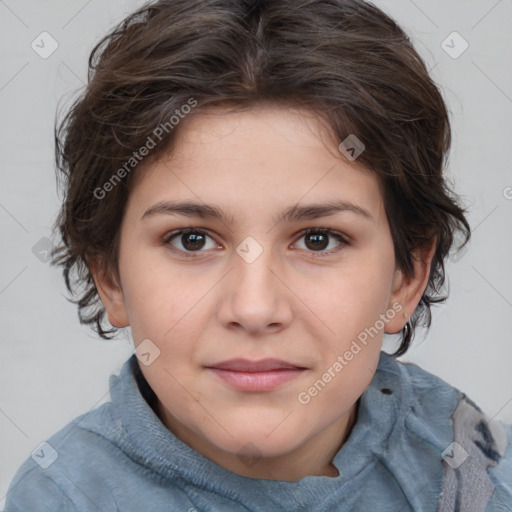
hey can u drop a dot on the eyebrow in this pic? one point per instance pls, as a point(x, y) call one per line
point(292, 213)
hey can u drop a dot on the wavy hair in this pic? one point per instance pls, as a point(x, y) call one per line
point(344, 59)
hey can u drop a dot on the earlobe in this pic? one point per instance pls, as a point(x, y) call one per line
point(407, 291)
point(111, 296)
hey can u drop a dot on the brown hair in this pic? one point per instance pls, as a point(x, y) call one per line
point(344, 59)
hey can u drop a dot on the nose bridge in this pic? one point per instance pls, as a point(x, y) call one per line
point(255, 297)
point(254, 261)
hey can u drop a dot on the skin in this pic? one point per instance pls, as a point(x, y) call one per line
point(289, 303)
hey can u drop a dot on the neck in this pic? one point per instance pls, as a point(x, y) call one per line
point(313, 458)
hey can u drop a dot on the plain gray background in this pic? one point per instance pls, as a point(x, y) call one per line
point(52, 369)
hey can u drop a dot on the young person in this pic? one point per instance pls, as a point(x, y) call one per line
point(256, 189)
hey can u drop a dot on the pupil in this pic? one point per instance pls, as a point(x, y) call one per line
point(318, 238)
point(197, 240)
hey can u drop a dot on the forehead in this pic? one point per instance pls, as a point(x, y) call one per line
point(257, 157)
point(252, 129)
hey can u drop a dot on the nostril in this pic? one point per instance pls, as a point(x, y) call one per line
point(386, 391)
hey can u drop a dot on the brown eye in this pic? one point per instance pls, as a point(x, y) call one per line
point(318, 239)
point(191, 240)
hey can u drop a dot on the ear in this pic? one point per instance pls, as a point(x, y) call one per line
point(408, 291)
point(110, 293)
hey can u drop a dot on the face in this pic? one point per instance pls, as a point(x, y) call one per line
point(255, 277)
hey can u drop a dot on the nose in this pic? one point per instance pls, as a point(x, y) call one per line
point(255, 297)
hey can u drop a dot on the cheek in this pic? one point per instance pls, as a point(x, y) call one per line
point(153, 288)
point(152, 304)
point(357, 296)
point(169, 309)
point(357, 293)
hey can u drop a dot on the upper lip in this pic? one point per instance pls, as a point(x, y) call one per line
point(245, 365)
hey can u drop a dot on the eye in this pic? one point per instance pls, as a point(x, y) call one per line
point(191, 239)
point(317, 240)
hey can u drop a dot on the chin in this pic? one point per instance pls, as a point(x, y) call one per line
point(256, 444)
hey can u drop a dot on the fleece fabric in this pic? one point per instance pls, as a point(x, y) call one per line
point(419, 444)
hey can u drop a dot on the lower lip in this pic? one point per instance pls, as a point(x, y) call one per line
point(257, 381)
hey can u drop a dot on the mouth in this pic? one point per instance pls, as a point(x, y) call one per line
point(256, 376)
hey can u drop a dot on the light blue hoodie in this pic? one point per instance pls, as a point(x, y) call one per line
point(399, 457)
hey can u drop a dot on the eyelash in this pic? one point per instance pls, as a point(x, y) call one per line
point(322, 231)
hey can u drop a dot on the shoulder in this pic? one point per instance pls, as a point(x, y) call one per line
point(474, 450)
point(32, 489)
point(427, 397)
point(93, 463)
point(477, 464)
point(60, 471)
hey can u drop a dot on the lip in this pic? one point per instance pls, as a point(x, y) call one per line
point(264, 365)
point(256, 376)
point(257, 381)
